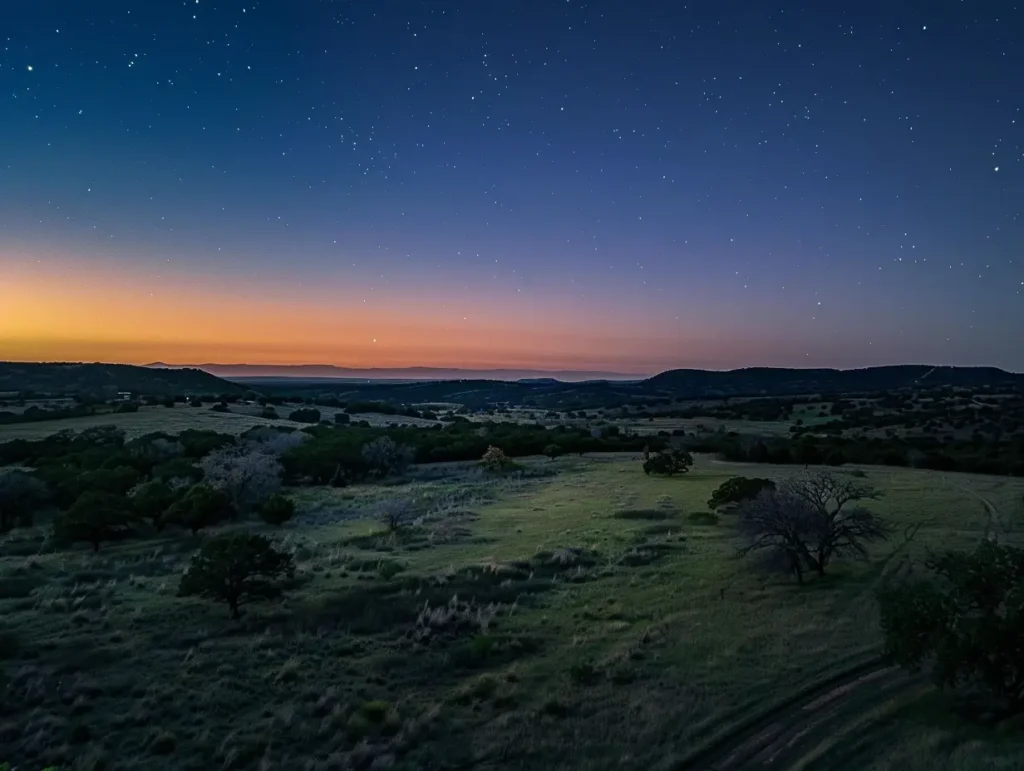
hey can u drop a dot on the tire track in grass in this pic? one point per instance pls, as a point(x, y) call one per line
point(786, 734)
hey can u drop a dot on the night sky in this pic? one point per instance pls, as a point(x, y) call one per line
point(631, 186)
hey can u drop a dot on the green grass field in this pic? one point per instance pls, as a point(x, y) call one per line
point(596, 625)
point(151, 419)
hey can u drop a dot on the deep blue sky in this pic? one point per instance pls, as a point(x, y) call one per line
point(629, 185)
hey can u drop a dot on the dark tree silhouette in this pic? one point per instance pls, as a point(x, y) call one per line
point(965, 621)
point(236, 568)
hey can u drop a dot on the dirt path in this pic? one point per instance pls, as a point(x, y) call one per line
point(787, 737)
point(993, 525)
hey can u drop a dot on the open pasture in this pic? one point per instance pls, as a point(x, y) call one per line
point(576, 615)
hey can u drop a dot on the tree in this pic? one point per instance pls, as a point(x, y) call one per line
point(806, 522)
point(395, 514)
point(668, 462)
point(342, 419)
point(965, 621)
point(202, 506)
point(247, 473)
point(152, 500)
point(737, 490)
point(95, 517)
point(236, 568)
point(20, 495)
point(269, 413)
point(495, 459)
point(837, 529)
point(552, 451)
point(277, 510)
point(385, 457)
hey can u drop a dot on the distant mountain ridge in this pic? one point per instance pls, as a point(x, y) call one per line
point(305, 371)
point(681, 384)
point(478, 392)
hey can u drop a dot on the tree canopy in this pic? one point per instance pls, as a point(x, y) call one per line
point(236, 568)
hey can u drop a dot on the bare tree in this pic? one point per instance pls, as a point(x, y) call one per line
point(247, 473)
point(395, 514)
point(275, 441)
point(781, 525)
point(385, 457)
point(838, 529)
point(806, 522)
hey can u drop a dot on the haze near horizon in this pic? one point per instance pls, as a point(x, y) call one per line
point(607, 187)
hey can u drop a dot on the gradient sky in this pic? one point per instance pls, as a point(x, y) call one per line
point(631, 186)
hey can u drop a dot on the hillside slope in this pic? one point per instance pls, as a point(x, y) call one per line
point(107, 379)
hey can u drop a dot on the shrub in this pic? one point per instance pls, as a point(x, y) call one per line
point(965, 621)
point(219, 407)
point(277, 510)
point(305, 415)
point(95, 517)
point(737, 490)
point(342, 419)
point(238, 569)
point(20, 495)
point(201, 507)
point(385, 457)
point(495, 459)
point(395, 515)
point(269, 413)
point(248, 474)
point(152, 500)
point(668, 462)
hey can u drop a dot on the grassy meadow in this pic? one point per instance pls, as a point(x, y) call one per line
point(181, 417)
point(577, 615)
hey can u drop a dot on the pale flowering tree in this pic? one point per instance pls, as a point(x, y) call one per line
point(247, 473)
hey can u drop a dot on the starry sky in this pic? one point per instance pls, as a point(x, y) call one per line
point(630, 186)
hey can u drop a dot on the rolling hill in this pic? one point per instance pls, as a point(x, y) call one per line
point(62, 378)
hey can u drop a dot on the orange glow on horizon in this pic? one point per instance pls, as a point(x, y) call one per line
point(66, 313)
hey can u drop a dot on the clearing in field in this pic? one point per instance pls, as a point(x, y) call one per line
point(577, 615)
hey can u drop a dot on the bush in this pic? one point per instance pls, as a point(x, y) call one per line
point(238, 569)
point(277, 510)
point(395, 515)
point(152, 500)
point(495, 459)
point(95, 517)
point(20, 495)
point(737, 490)
point(219, 407)
point(201, 507)
point(305, 415)
point(965, 621)
point(385, 457)
point(668, 462)
point(269, 413)
point(249, 474)
point(342, 419)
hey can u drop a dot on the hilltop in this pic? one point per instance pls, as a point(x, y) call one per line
point(67, 378)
